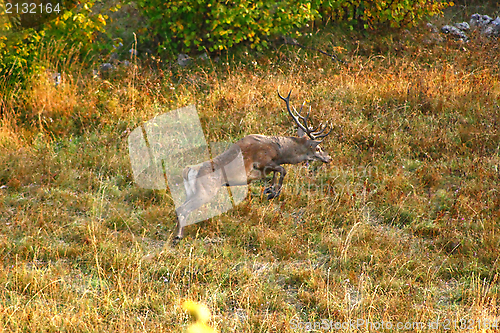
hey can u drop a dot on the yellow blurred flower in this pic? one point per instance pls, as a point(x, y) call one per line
point(201, 315)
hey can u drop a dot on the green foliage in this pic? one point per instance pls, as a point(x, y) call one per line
point(216, 25)
point(185, 26)
point(372, 14)
point(19, 51)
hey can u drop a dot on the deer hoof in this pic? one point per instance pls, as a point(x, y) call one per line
point(270, 192)
point(176, 240)
point(273, 194)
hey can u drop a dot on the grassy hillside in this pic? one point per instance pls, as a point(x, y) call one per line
point(401, 227)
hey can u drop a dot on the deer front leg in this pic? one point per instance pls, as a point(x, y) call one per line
point(179, 230)
point(275, 189)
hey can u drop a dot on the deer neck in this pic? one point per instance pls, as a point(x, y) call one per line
point(291, 150)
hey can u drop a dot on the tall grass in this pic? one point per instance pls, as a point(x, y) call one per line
point(401, 227)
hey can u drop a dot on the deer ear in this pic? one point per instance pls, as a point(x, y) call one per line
point(300, 132)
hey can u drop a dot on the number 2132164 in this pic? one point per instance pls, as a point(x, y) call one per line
point(31, 8)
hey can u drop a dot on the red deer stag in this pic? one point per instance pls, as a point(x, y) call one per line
point(261, 156)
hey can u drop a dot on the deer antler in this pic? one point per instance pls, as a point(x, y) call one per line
point(319, 134)
point(287, 102)
point(312, 132)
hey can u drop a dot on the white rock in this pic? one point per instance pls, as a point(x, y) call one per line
point(432, 27)
point(478, 20)
point(464, 26)
point(106, 67)
point(451, 30)
point(183, 59)
point(203, 56)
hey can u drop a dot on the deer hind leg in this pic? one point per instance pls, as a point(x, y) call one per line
point(275, 189)
point(185, 209)
point(204, 192)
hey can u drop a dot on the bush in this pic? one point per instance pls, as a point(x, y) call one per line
point(184, 26)
point(20, 51)
point(370, 14)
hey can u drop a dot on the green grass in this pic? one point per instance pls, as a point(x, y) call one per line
point(402, 226)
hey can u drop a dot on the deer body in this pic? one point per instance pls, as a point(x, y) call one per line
point(261, 156)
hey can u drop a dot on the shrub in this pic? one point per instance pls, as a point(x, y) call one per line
point(184, 26)
point(374, 14)
point(19, 51)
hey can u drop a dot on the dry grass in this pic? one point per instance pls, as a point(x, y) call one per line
point(401, 227)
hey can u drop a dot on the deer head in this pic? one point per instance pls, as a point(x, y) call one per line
point(310, 137)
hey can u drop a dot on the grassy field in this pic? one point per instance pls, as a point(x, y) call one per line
point(402, 227)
